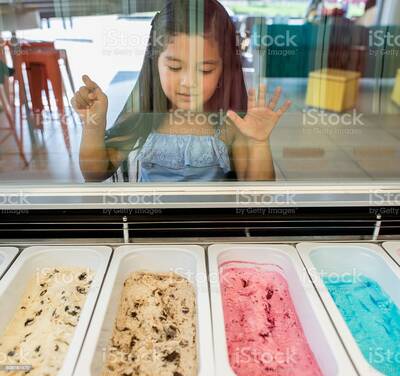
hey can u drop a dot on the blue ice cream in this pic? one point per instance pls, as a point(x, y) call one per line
point(373, 319)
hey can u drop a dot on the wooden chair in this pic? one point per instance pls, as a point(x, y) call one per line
point(10, 126)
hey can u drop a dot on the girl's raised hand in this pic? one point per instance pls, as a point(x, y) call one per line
point(261, 117)
point(91, 103)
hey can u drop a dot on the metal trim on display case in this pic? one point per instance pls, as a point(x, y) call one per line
point(211, 195)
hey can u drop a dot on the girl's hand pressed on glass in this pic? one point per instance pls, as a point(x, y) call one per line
point(261, 116)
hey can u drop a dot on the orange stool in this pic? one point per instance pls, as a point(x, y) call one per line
point(41, 60)
point(37, 74)
point(47, 62)
point(38, 77)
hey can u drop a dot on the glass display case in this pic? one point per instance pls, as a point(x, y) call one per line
point(183, 182)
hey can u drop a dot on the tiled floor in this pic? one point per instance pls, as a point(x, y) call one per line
point(367, 149)
point(300, 152)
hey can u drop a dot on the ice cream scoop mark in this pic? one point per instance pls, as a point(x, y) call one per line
point(364, 306)
point(244, 283)
point(23, 307)
point(56, 348)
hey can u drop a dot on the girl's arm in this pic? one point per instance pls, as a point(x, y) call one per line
point(260, 163)
point(97, 162)
point(240, 155)
point(256, 128)
point(252, 160)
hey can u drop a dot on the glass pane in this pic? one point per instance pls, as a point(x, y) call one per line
point(199, 91)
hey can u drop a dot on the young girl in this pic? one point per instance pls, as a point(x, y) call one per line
point(175, 117)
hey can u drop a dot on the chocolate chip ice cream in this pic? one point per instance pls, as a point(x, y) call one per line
point(155, 329)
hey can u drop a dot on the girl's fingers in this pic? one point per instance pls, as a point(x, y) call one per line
point(82, 103)
point(78, 104)
point(77, 108)
point(261, 95)
point(251, 101)
point(84, 93)
point(275, 98)
point(89, 83)
point(284, 108)
point(236, 119)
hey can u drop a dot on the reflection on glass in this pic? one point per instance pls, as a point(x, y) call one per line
point(200, 91)
point(191, 76)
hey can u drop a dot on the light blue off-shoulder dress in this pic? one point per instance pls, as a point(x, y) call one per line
point(177, 158)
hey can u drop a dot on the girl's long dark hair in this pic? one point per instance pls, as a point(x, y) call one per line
point(147, 105)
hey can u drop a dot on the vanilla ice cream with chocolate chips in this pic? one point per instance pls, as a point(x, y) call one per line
point(38, 336)
point(155, 329)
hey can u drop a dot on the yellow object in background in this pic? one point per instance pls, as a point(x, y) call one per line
point(333, 89)
point(396, 90)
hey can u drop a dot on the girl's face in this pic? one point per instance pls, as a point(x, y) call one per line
point(190, 68)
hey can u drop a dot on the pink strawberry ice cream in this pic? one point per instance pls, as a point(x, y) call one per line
point(264, 334)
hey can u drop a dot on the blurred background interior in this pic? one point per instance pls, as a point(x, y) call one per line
point(337, 60)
